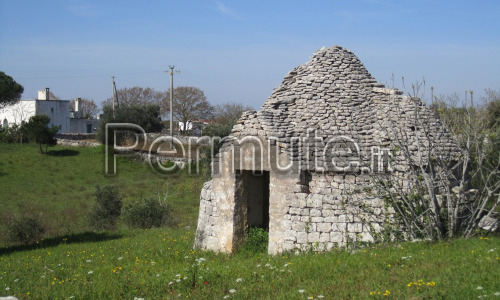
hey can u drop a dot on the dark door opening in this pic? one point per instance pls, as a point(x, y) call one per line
point(251, 203)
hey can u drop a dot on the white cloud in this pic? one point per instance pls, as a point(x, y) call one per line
point(227, 11)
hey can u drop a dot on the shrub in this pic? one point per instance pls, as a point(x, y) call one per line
point(146, 213)
point(256, 241)
point(25, 230)
point(107, 208)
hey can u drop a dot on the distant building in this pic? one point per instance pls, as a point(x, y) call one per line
point(196, 126)
point(57, 110)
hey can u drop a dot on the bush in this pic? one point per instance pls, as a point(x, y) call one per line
point(107, 208)
point(256, 241)
point(146, 213)
point(25, 230)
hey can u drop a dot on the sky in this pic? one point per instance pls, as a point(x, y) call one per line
point(239, 51)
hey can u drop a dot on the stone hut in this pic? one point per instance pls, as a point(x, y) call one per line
point(302, 167)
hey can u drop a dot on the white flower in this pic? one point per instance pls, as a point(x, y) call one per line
point(88, 260)
point(491, 250)
point(225, 297)
point(120, 258)
point(320, 297)
point(301, 291)
point(16, 280)
point(7, 288)
point(186, 256)
point(479, 288)
point(497, 294)
point(258, 266)
point(135, 298)
point(157, 275)
point(286, 265)
point(178, 275)
point(90, 272)
point(267, 265)
point(170, 283)
point(232, 291)
point(178, 280)
point(239, 279)
point(71, 297)
point(184, 278)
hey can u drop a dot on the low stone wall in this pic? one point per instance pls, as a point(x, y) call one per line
point(76, 136)
point(76, 143)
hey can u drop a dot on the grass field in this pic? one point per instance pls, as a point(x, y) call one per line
point(60, 186)
point(73, 263)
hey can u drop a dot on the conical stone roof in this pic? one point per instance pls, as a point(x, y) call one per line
point(332, 96)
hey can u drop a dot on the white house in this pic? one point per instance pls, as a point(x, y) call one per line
point(47, 104)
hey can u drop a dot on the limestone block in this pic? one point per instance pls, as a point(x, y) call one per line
point(301, 237)
point(286, 224)
point(298, 226)
point(354, 227)
point(336, 237)
point(324, 227)
point(290, 235)
point(315, 213)
point(313, 237)
point(327, 212)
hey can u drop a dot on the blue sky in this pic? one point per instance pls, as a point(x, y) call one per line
point(240, 50)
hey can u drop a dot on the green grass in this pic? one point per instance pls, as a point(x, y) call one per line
point(161, 264)
point(60, 187)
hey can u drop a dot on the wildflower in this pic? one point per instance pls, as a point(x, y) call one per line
point(177, 280)
point(320, 297)
point(90, 272)
point(232, 291)
point(286, 265)
point(7, 288)
point(239, 280)
point(225, 297)
point(170, 283)
point(479, 288)
point(88, 260)
point(491, 250)
point(301, 291)
point(120, 258)
point(258, 266)
point(497, 294)
point(206, 282)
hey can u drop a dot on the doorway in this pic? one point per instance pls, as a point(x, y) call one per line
point(251, 203)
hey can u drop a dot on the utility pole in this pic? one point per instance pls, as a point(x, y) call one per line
point(171, 103)
point(115, 96)
point(113, 90)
